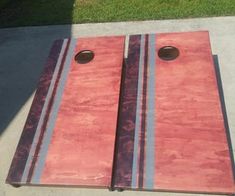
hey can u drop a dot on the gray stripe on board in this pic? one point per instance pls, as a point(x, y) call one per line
point(150, 122)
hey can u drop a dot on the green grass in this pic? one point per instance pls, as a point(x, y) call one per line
point(44, 12)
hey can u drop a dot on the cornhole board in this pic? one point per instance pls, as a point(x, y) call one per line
point(140, 123)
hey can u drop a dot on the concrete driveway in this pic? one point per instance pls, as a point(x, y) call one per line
point(23, 52)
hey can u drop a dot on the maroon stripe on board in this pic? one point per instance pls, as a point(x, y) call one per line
point(47, 114)
point(143, 119)
point(21, 155)
point(124, 146)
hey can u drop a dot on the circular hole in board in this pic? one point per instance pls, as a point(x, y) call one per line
point(84, 56)
point(168, 53)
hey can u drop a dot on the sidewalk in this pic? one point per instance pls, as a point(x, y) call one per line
point(23, 52)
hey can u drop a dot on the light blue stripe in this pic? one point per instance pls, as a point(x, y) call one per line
point(138, 113)
point(40, 123)
point(150, 122)
point(52, 118)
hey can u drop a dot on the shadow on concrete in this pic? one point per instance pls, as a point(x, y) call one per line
point(24, 53)
point(223, 107)
point(21, 65)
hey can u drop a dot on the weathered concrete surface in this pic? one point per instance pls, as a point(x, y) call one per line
point(23, 52)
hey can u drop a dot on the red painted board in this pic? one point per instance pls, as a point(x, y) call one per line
point(73, 120)
point(169, 132)
point(191, 149)
point(171, 114)
point(82, 145)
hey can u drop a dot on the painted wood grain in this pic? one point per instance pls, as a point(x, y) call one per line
point(82, 145)
point(191, 149)
point(127, 117)
point(171, 133)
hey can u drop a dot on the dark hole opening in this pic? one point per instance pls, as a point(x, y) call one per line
point(84, 56)
point(168, 53)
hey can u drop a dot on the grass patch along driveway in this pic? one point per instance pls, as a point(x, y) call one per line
point(45, 12)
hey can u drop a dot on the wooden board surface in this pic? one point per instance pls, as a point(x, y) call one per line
point(173, 136)
point(161, 129)
point(74, 138)
point(192, 149)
